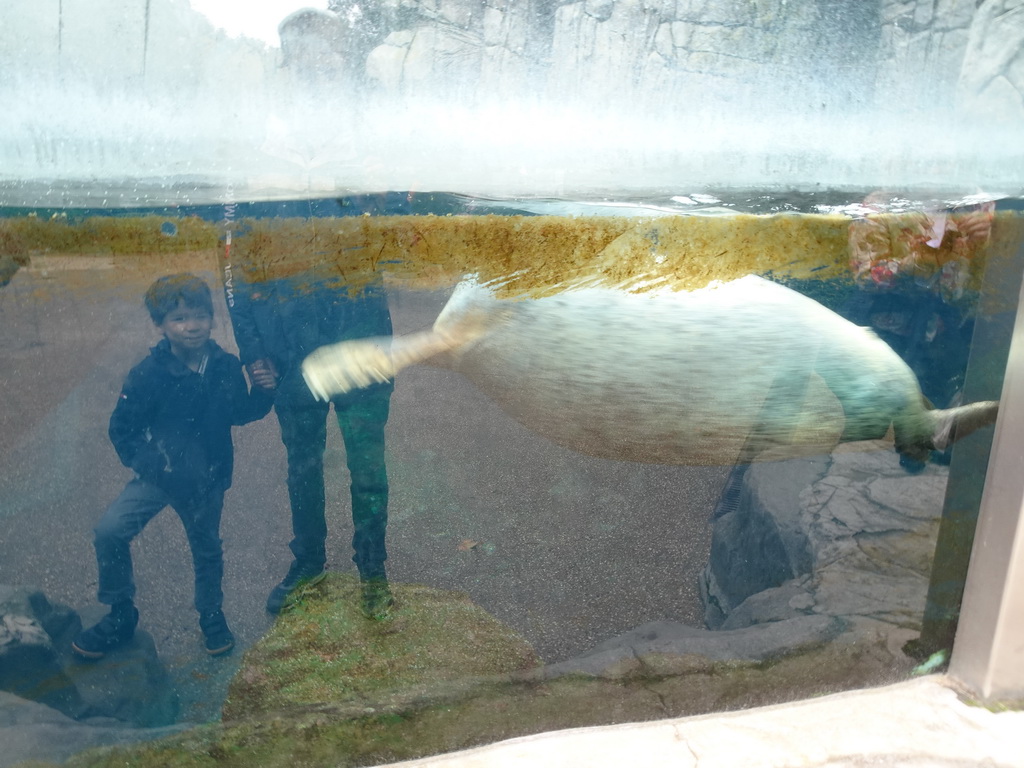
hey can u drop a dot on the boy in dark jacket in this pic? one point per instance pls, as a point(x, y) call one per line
point(172, 427)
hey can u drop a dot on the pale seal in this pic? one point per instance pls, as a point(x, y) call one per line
point(707, 377)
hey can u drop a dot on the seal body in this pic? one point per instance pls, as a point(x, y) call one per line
point(714, 376)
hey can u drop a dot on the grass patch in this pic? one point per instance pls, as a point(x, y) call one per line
point(323, 650)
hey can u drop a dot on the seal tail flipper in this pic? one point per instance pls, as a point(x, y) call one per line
point(338, 368)
point(335, 369)
point(935, 430)
point(953, 424)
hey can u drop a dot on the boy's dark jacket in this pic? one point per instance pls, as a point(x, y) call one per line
point(172, 425)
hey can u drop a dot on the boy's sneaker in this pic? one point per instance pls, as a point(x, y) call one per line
point(298, 575)
point(112, 631)
point(377, 600)
point(219, 639)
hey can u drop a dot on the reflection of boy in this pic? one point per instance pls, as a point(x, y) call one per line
point(277, 323)
point(172, 426)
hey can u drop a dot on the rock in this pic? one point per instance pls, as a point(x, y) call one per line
point(318, 48)
point(673, 648)
point(129, 684)
point(385, 63)
point(788, 601)
point(823, 53)
point(32, 731)
point(323, 650)
point(915, 37)
point(759, 542)
point(599, 9)
point(855, 534)
point(31, 631)
point(991, 84)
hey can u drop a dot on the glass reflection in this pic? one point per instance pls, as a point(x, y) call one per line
point(641, 450)
point(172, 427)
point(276, 324)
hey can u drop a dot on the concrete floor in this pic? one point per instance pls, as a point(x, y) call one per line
point(917, 724)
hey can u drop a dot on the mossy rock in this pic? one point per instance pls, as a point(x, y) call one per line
point(323, 651)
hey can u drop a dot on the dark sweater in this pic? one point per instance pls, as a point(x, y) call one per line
point(172, 425)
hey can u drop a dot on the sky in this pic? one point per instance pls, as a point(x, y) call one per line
point(252, 18)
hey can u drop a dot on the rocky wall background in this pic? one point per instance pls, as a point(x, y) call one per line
point(505, 98)
point(690, 55)
point(892, 55)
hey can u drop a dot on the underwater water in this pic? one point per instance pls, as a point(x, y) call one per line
point(622, 435)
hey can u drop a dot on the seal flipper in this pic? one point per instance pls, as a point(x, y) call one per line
point(335, 369)
point(338, 368)
point(955, 423)
point(920, 433)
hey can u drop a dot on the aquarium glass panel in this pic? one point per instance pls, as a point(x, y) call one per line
point(402, 377)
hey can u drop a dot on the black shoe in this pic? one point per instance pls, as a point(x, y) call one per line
point(298, 575)
point(112, 631)
point(219, 639)
point(377, 599)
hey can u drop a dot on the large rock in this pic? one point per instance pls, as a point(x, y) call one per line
point(32, 731)
point(759, 542)
point(667, 647)
point(706, 54)
point(849, 537)
point(991, 84)
point(322, 650)
point(130, 684)
point(32, 630)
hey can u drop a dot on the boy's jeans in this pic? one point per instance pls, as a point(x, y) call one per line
point(361, 417)
point(139, 503)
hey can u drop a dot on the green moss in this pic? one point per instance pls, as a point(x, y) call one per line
point(322, 649)
point(997, 706)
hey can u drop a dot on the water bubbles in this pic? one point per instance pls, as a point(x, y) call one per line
point(705, 199)
point(696, 198)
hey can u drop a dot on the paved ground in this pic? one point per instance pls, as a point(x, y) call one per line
point(918, 724)
point(569, 550)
